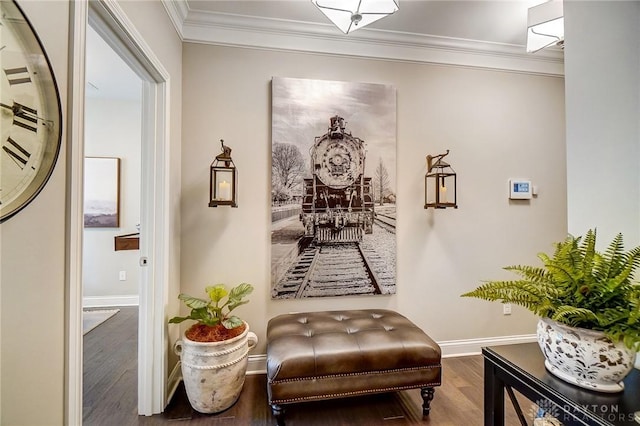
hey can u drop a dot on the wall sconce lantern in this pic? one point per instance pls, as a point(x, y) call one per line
point(223, 179)
point(439, 183)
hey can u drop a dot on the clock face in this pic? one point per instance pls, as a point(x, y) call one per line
point(30, 118)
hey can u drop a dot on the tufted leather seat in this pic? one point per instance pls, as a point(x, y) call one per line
point(323, 355)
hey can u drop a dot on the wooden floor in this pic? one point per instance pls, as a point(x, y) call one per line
point(110, 393)
point(110, 371)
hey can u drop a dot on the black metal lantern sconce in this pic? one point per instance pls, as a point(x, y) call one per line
point(223, 179)
point(440, 183)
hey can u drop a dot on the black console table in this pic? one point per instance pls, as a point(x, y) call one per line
point(521, 367)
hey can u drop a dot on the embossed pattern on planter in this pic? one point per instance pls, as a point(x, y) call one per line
point(586, 358)
point(214, 373)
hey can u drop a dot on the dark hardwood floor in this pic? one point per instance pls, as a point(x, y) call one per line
point(110, 371)
point(110, 393)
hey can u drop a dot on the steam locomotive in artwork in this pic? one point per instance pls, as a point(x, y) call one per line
point(337, 201)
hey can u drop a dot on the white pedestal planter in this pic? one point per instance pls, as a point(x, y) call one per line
point(585, 358)
point(214, 372)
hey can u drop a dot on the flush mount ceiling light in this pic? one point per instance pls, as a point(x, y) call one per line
point(545, 26)
point(350, 15)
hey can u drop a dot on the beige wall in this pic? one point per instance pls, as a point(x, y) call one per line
point(32, 269)
point(32, 285)
point(101, 264)
point(497, 125)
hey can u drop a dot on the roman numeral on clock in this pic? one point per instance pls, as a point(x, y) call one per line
point(17, 75)
point(25, 117)
point(17, 153)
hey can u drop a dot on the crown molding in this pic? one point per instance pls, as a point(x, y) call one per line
point(279, 34)
point(177, 11)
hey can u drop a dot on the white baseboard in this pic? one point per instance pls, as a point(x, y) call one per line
point(174, 380)
point(450, 349)
point(102, 301)
point(464, 347)
point(257, 364)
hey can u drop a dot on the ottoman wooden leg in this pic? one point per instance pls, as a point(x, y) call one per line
point(427, 396)
point(278, 413)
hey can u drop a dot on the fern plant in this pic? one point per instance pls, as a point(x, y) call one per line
point(578, 286)
point(214, 311)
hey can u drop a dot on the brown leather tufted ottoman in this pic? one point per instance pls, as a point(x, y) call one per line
point(324, 355)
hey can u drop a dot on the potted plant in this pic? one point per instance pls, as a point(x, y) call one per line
point(589, 308)
point(213, 351)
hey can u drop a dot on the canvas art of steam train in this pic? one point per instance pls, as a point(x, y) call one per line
point(337, 202)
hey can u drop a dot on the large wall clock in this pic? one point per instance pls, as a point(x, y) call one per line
point(30, 112)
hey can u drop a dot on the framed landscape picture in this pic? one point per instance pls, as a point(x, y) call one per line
point(101, 192)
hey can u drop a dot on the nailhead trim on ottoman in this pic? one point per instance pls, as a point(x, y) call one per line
point(325, 355)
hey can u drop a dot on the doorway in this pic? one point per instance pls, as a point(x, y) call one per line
point(111, 272)
point(112, 25)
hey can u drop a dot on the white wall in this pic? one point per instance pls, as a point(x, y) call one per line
point(602, 70)
point(497, 125)
point(32, 347)
point(101, 263)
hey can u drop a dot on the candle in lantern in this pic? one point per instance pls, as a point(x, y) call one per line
point(443, 193)
point(224, 190)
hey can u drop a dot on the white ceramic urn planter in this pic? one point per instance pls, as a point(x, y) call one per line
point(214, 373)
point(583, 357)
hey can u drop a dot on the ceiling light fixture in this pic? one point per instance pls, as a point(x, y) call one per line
point(545, 26)
point(351, 15)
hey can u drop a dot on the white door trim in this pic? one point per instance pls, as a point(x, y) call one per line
point(110, 21)
point(152, 336)
point(74, 219)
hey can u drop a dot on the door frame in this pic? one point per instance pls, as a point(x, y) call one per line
point(110, 21)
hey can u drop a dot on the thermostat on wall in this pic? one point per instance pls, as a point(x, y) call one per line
point(520, 189)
